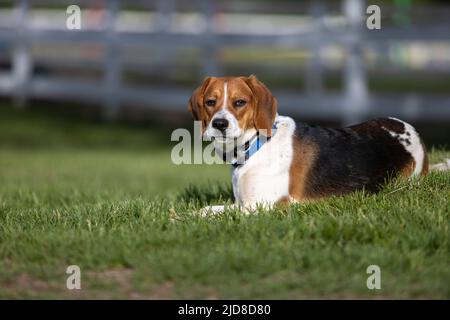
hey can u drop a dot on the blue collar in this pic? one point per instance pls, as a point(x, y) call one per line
point(252, 146)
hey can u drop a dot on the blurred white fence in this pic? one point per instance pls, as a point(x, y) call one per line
point(351, 104)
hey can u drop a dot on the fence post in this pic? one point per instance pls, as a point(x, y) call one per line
point(164, 54)
point(166, 9)
point(209, 49)
point(356, 101)
point(314, 78)
point(21, 59)
point(112, 66)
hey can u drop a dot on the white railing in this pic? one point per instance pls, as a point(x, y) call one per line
point(351, 104)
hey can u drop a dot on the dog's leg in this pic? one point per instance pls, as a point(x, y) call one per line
point(250, 208)
point(443, 166)
point(213, 210)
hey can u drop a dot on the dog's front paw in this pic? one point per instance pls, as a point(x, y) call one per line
point(211, 210)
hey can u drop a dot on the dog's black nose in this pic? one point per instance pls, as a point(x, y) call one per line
point(220, 124)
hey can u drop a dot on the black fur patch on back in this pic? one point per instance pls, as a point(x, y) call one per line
point(359, 157)
point(388, 123)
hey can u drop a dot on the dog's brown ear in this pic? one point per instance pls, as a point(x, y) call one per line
point(266, 105)
point(196, 101)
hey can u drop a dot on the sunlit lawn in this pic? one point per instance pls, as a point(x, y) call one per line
point(108, 199)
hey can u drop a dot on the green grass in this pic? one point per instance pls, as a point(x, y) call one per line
point(108, 199)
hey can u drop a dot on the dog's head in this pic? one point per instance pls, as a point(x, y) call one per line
point(233, 107)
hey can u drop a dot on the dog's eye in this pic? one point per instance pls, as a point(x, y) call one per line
point(210, 103)
point(240, 103)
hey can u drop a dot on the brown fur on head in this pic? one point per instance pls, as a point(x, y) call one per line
point(246, 104)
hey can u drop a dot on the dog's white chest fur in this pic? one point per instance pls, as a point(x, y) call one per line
point(264, 178)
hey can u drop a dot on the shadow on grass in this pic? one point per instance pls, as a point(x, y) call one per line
point(207, 194)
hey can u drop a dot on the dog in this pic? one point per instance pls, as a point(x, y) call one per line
point(277, 161)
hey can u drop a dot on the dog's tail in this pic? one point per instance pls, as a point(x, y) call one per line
point(443, 166)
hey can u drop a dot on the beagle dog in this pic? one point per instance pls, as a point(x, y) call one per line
point(277, 161)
